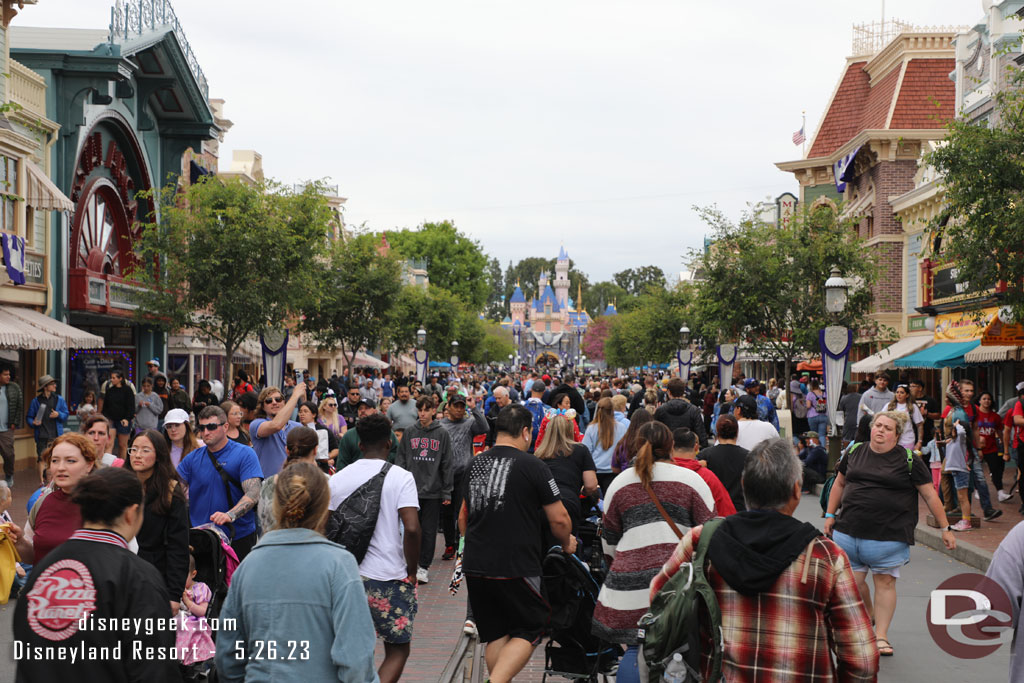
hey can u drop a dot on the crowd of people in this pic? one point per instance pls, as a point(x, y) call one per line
point(502, 466)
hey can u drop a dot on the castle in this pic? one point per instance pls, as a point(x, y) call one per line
point(549, 329)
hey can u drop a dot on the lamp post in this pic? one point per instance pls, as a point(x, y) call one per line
point(455, 356)
point(684, 354)
point(420, 355)
point(510, 357)
point(835, 342)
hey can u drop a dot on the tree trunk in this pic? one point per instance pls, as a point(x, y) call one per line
point(787, 365)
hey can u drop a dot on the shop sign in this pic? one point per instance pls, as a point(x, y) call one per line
point(123, 296)
point(917, 323)
point(963, 326)
point(946, 289)
point(999, 333)
point(34, 269)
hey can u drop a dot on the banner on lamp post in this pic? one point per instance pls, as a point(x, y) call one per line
point(835, 342)
point(422, 358)
point(685, 358)
point(726, 359)
point(275, 355)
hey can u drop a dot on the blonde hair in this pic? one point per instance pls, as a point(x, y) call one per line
point(605, 422)
point(897, 416)
point(558, 438)
point(301, 497)
point(619, 402)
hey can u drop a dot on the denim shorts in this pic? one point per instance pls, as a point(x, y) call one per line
point(961, 480)
point(393, 608)
point(881, 557)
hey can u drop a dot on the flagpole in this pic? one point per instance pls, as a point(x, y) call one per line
point(803, 127)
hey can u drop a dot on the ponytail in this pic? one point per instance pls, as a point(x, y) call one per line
point(654, 442)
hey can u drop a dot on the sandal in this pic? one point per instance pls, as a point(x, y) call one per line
point(884, 650)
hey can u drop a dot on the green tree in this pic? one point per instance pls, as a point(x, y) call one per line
point(637, 281)
point(495, 346)
point(982, 228)
point(228, 259)
point(437, 311)
point(650, 331)
point(764, 285)
point(597, 297)
point(454, 261)
point(527, 273)
point(355, 290)
point(496, 298)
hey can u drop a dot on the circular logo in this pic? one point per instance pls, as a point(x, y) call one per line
point(969, 616)
point(60, 597)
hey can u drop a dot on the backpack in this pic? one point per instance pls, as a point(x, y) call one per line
point(353, 522)
point(820, 404)
point(826, 488)
point(799, 406)
point(537, 408)
point(673, 622)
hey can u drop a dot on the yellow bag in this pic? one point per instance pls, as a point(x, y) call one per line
point(8, 558)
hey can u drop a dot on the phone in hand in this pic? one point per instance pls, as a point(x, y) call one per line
point(298, 377)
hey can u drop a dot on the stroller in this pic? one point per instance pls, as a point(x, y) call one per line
point(572, 651)
point(211, 566)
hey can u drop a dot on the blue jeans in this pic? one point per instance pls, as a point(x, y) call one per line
point(819, 423)
point(629, 671)
point(978, 482)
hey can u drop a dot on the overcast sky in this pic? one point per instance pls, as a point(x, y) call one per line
point(595, 123)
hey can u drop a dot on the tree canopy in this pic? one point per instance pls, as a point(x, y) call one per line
point(454, 261)
point(637, 281)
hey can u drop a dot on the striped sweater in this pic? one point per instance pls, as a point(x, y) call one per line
point(637, 541)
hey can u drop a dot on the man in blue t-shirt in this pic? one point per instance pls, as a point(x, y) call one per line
point(209, 499)
point(269, 431)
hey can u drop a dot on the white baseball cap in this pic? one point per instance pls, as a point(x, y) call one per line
point(176, 417)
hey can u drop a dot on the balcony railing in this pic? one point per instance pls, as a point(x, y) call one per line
point(27, 88)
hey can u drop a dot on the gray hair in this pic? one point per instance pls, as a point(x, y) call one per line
point(500, 391)
point(769, 474)
point(897, 416)
point(5, 491)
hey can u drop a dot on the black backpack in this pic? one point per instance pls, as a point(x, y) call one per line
point(352, 524)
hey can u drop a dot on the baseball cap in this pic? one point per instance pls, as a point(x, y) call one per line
point(546, 378)
point(176, 417)
point(457, 398)
point(368, 402)
point(746, 401)
point(154, 361)
point(750, 382)
point(811, 435)
point(538, 386)
point(1020, 387)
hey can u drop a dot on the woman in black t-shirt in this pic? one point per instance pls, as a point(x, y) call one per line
point(570, 463)
point(875, 494)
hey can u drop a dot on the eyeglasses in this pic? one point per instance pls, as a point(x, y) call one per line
point(331, 405)
point(135, 450)
point(211, 426)
point(273, 399)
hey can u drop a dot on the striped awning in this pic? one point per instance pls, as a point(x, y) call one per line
point(992, 354)
point(15, 333)
point(42, 193)
point(68, 337)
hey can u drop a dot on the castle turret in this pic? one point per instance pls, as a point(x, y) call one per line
point(561, 283)
point(517, 306)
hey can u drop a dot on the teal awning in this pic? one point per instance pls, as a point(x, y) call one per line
point(944, 355)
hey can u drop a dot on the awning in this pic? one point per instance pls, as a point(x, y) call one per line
point(992, 354)
point(884, 359)
point(365, 360)
point(41, 191)
point(944, 355)
point(68, 336)
point(15, 333)
point(809, 366)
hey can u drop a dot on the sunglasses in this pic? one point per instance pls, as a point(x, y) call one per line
point(211, 426)
point(273, 399)
point(331, 405)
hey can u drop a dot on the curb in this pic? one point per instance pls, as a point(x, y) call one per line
point(965, 552)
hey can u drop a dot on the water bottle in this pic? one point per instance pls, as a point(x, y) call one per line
point(675, 672)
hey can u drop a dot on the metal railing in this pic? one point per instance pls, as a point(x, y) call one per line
point(130, 18)
point(871, 36)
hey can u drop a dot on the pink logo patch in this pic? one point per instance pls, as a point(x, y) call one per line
point(61, 596)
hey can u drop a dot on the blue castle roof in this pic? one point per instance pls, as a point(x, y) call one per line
point(517, 296)
point(610, 310)
point(547, 297)
point(562, 256)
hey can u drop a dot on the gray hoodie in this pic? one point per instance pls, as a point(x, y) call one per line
point(462, 433)
point(426, 452)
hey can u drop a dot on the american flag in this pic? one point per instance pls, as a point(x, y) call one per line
point(799, 137)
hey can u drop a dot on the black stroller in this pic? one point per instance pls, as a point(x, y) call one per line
point(572, 651)
point(211, 569)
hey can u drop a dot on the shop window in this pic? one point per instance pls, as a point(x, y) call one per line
point(23, 371)
point(8, 193)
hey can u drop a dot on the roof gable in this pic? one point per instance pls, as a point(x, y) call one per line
point(842, 120)
point(926, 97)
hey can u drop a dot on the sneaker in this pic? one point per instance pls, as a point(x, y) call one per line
point(962, 525)
point(992, 514)
point(422, 576)
point(449, 553)
point(1003, 496)
point(976, 496)
point(469, 628)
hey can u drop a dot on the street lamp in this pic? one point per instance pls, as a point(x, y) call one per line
point(510, 357)
point(455, 355)
point(684, 354)
point(835, 342)
point(420, 355)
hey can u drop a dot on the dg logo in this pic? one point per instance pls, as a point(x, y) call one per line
point(969, 616)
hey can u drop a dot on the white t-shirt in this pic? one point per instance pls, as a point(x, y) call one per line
point(385, 558)
point(909, 436)
point(753, 432)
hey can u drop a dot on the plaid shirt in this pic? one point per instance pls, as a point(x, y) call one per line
point(791, 632)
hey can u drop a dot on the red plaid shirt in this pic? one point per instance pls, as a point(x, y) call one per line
point(792, 632)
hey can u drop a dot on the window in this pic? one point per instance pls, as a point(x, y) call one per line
point(8, 193)
point(547, 327)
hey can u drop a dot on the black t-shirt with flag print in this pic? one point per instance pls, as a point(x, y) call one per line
point(505, 494)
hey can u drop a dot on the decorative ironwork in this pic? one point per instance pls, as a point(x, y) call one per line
point(871, 36)
point(132, 18)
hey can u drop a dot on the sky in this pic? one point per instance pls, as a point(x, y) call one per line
point(591, 123)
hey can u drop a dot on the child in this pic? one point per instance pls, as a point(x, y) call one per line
point(193, 638)
point(931, 450)
point(956, 466)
